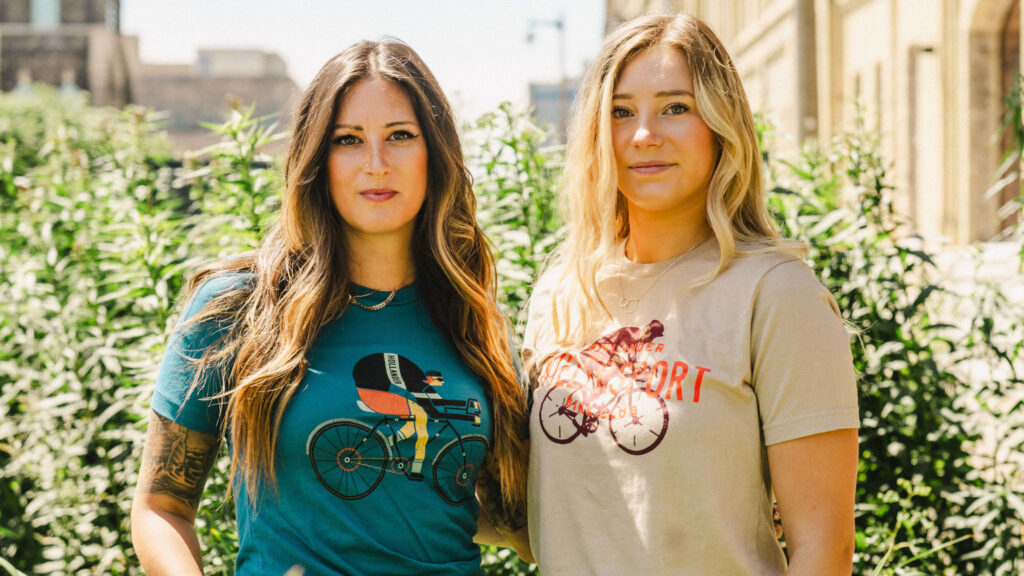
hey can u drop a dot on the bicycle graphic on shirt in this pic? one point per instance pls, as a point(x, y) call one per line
point(350, 457)
point(637, 420)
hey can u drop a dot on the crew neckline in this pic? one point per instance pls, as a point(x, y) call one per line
point(625, 266)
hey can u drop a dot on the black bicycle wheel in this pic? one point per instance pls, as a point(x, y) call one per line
point(558, 412)
point(456, 468)
point(348, 459)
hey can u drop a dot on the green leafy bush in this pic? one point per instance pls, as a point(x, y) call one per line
point(921, 485)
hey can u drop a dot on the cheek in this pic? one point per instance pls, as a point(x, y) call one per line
point(620, 142)
point(702, 145)
point(339, 171)
point(421, 163)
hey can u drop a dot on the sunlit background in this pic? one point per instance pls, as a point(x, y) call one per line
point(893, 142)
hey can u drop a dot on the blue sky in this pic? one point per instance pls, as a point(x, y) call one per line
point(477, 49)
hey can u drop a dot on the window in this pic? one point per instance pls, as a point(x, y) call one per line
point(45, 13)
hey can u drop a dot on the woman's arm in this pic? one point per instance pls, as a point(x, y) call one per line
point(815, 481)
point(175, 464)
point(518, 540)
point(507, 532)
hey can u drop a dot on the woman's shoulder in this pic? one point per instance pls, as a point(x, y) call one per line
point(217, 284)
point(786, 281)
point(776, 272)
point(761, 259)
point(546, 283)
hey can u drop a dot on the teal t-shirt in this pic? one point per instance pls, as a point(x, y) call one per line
point(378, 450)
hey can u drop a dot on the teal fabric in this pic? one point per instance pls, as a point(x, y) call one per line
point(347, 501)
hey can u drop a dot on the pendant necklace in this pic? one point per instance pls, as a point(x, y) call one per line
point(630, 303)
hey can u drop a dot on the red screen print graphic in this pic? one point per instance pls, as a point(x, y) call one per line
point(617, 393)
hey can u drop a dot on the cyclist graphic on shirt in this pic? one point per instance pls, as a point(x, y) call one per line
point(382, 379)
point(615, 355)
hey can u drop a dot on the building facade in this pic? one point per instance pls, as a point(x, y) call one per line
point(931, 75)
point(206, 90)
point(76, 44)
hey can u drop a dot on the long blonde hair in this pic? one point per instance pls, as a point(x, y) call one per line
point(301, 277)
point(597, 213)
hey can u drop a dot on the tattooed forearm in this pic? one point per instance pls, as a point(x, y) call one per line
point(177, 461)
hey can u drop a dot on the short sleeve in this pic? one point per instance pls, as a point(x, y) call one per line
point(171, 398)
point(802, 367)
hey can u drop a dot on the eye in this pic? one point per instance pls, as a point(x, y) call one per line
point(400, 135)
point(677, 109)
point(620, 112)
point(345, 140)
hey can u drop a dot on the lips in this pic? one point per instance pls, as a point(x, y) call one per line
point(378, 194)
point(650, 167)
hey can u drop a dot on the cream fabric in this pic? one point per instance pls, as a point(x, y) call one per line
point(712, 375)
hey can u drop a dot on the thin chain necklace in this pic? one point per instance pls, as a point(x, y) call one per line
point(630, 303)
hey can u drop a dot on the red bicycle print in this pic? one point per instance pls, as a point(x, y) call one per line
point(616, 391)
point(637, 421)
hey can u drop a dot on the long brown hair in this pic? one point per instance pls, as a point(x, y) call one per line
point(301, 276)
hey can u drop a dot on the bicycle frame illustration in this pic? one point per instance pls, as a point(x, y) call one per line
point(351, 458)
point(637, 420)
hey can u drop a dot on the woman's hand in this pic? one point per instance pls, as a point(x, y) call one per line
point(815, 481)
point(176, 462)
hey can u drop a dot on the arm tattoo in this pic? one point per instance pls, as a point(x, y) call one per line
point(178, 460)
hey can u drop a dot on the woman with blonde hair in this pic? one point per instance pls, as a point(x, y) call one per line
point(356, 363)
point(688, 369)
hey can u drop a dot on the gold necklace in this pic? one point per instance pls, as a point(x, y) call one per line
point(387, 300)
point(630, 304)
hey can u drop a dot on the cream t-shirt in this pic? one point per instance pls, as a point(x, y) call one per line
point(647, 449)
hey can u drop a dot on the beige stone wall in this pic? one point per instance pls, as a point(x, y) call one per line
point(186, 95)
point(929, 74)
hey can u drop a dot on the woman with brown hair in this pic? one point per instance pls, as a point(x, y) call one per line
point(356, 363)
point(688, 367)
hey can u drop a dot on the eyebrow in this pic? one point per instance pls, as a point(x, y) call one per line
point(360, 128)
point(660, 94)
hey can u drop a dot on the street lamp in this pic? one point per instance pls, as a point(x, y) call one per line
point(563, 82)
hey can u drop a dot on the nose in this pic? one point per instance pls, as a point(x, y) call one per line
point(377, 164)
point(646, 135)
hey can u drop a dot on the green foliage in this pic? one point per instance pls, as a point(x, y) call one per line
point(90, 265)
point(920, 479)
point(97, 236)
point(515, 179)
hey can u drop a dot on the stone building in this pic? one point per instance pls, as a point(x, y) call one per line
point(76, 44)
point(205, 90)
point(932, 75)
